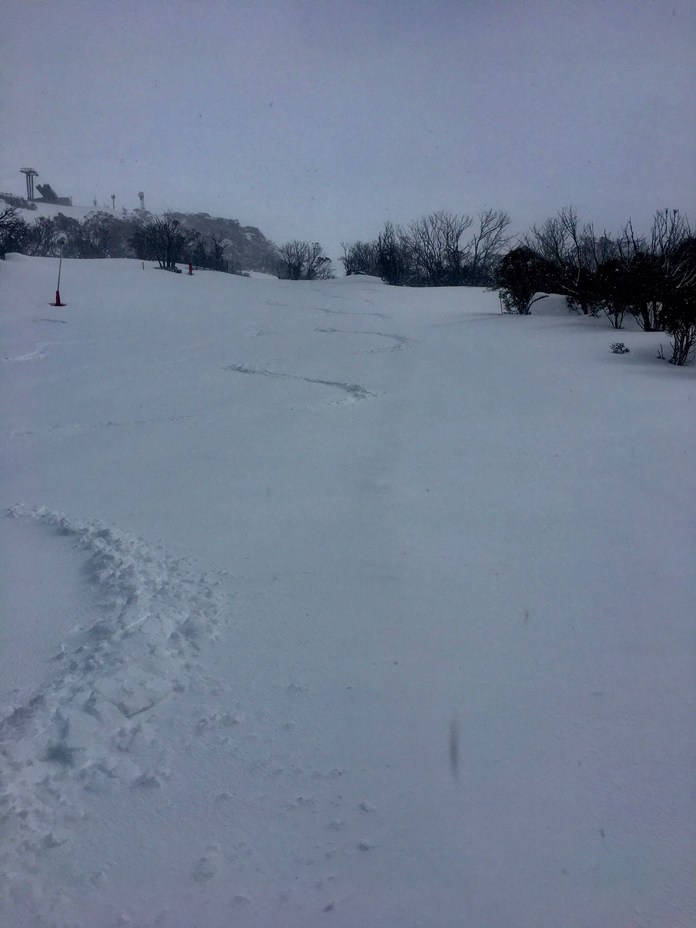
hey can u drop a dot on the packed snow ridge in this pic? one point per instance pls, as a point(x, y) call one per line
point(88, 727)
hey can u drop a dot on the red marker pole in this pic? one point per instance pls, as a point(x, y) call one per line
point(60, 267)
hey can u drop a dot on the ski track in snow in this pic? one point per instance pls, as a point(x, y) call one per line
point(336, 312)
point(88, 727)
point(353, 389)
point(400, 340)
point(81, 426)
point(346, 312)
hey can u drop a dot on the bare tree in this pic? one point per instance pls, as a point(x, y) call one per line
point(675, 245)
point(361, 258)
point(318, 264)
point(641, 274)
point(394, 256)
point(430, 252)
point(217, 251)
point(571, 250)
point(304, 261)
point(434, 243)
point(670, 230)
point(486, 246)
point(167, 240)
point(44, 238)
point(656, 269)
point(293, 257)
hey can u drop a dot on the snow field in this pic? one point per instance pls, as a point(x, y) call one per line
point(409, 515)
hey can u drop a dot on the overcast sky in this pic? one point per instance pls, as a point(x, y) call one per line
point(321, 120)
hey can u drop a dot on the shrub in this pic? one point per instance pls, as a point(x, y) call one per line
point(680, 322)
point(14, 232)
point(521, 274)
point(612, 291)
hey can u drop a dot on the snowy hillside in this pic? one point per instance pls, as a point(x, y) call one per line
point(50, 210)
point(332, 603)
point(243, 247)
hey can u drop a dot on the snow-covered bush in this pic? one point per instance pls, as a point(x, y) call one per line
point(619, 348)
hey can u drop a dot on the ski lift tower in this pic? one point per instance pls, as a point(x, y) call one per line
point(30, 175)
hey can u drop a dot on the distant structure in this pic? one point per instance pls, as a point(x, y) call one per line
point(48, 195)
point(113, 201)
point(30, 175)
point(142, 200)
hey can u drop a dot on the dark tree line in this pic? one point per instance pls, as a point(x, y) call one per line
point(442, 249)
point(166, 239)
point(169, 242)
point(104, 235)
point(652, 278)
point(99, 235)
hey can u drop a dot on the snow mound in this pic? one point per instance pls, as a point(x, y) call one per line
point(88, 727)
point(352, 279)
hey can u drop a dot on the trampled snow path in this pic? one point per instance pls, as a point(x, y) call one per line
point(87, 728)
point(36, 355)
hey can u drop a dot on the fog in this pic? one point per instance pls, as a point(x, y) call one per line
point(320, 121)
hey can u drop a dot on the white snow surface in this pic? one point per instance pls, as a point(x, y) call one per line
point(333, 603)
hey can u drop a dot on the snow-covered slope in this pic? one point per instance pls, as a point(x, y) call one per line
point(53, 209)
point(340, 604)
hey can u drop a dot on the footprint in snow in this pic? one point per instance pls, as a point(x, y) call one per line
point(207, 866)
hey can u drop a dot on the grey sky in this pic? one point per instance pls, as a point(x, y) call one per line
point(320, 120)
